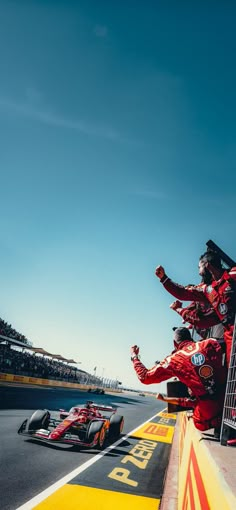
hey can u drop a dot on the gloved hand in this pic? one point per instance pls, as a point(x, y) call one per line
point(176, 304)
point(160, 272)
point(134, 350)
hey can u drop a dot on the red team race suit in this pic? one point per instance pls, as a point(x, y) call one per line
point(221, 294)
point(202, 318)
point(199, 366)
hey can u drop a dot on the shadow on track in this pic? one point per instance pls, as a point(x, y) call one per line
point(82, 449)
point(56, 398)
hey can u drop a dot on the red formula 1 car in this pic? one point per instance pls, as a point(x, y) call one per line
point(82, 426)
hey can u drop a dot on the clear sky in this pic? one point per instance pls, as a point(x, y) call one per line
point(117, 153)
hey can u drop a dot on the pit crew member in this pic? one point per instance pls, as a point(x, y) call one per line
point(199, 366)
point(220, 293)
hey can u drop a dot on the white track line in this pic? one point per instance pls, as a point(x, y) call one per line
point(47, 492)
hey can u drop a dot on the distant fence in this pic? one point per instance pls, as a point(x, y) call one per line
point(228, 429)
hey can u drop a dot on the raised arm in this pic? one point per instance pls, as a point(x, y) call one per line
point(196, 314)
point(157, 374)
point(188, 293)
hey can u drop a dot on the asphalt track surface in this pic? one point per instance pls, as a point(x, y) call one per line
point(28, 467)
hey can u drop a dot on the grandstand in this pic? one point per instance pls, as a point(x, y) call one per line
point(18, 356)
point(6, 330)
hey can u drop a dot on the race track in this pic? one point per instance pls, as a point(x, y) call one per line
point(28, 467)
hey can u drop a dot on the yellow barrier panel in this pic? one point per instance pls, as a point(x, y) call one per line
point(201, 485)
point(46, 382)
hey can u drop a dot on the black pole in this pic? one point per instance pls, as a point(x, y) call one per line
point(212, 246)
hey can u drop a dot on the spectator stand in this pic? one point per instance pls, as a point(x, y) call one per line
point(9, 332)
point(21, 359)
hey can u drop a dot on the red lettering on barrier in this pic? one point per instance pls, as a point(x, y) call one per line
point(3, 376)
point(182, 436)
point(156, 430)
point(188, 499)
point(18, 378)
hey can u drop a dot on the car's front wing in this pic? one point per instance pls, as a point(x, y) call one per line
point(43, 435)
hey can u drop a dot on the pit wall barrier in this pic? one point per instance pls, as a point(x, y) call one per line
point(22, 379)
point(202, 481)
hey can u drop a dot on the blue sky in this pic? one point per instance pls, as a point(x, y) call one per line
point(118, 152)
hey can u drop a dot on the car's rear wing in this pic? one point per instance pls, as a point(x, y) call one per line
point(101, 407)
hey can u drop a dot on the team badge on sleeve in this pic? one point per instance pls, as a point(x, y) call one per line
point(223, 309)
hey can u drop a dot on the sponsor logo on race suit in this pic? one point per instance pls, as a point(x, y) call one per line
point(206, 371)
point(198, 359)
point(210, 386)
point(209, 289)
point(223, 309)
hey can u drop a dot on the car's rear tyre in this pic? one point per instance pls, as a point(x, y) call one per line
point(96, 427)
point(116, 426)
point(39, 420)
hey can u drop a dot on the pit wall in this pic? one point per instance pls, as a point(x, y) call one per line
point(47, 382)
point(201, 485)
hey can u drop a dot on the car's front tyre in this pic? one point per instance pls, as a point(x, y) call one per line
point(39, 420)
